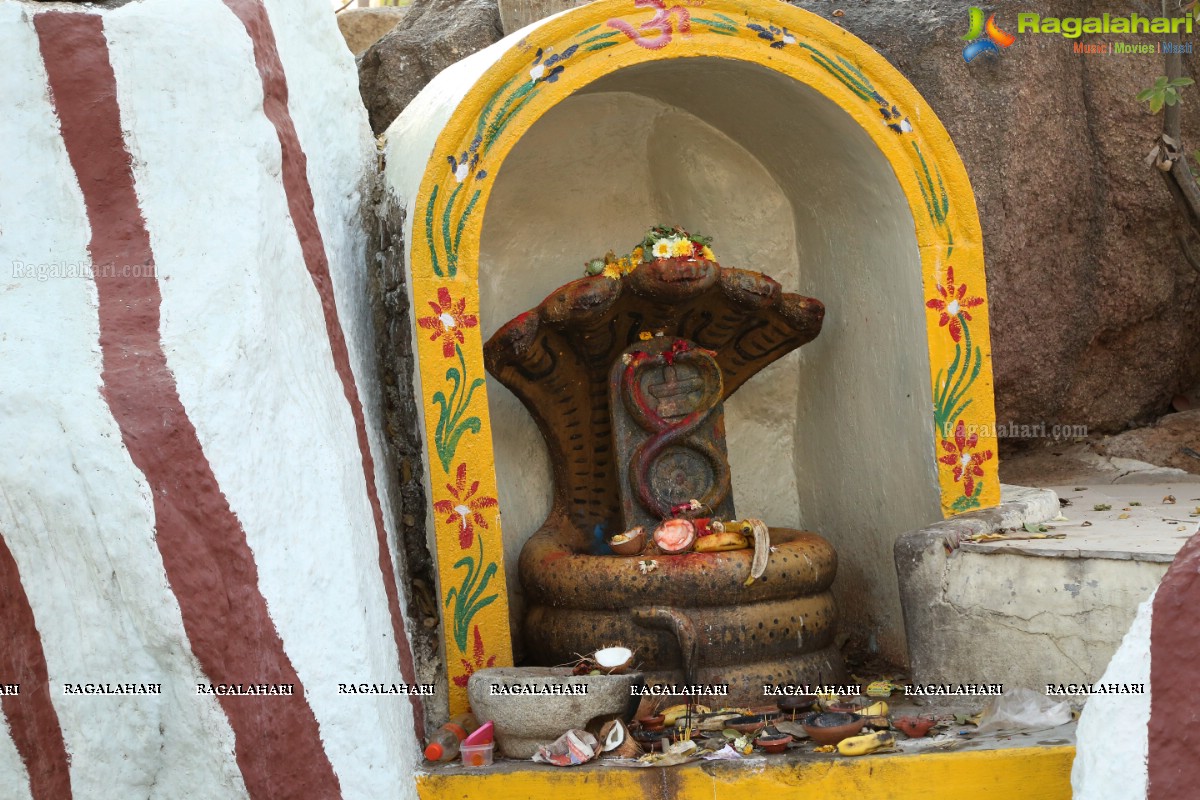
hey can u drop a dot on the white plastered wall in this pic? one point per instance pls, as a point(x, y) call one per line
point(1108, 766)
point(245, 339)
point(75, 512)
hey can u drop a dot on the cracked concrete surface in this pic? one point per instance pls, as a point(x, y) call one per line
point(993, 613)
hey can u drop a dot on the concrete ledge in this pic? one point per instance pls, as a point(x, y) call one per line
point(1014, 773)
point(1122, 522)
point(1026, 612)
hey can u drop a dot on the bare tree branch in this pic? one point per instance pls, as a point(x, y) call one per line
point(1172, 159)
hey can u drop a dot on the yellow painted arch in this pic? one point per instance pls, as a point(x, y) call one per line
point(556, 59)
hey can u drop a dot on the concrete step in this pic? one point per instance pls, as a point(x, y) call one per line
point(1025, 611)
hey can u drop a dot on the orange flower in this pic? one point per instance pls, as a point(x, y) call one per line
point(469, 508)
point(448, 321)
point(966, 463)
point(953, 304)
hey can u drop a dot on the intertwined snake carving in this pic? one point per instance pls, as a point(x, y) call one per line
point(668, 433)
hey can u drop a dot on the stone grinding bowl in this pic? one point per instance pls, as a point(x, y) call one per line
point(525, 722)
point(832, 727)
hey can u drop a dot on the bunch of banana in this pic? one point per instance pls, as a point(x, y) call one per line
point(867, 743)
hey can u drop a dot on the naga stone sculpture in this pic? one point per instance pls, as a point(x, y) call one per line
point(625, 373)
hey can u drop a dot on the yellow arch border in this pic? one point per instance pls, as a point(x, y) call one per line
point(558, 58)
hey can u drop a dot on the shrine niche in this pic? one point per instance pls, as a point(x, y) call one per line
point(808, 158)
point(626, 373)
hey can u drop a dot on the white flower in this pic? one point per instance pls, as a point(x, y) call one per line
point(789, 39)
point(663, 248)
point(965, 459)
point(462, 171)
point(538, 71)
point(446, 319)
point(905, 126)
point(952, 308)
point(463, 511)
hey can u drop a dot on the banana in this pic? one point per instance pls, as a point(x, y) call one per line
point(879, 709)
point(676, 713)
point(867, 743)
point(719, 542)
point(762, 548)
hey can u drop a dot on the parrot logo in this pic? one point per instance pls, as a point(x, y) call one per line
point(992, 37)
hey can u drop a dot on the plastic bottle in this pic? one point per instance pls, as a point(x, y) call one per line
point(443, 745)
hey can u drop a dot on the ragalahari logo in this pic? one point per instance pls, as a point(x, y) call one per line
point(993, 38)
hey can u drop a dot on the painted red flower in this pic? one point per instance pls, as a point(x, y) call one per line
point(953, 304)
point(447, 321)
point(461, 680)
point(967, 465)
point(468, 508)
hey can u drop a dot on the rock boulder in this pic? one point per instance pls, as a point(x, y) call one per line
point(363, 27)
point(1093, 308)
point(433, 35)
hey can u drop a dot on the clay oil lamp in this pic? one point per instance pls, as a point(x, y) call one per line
point(751, 723)
point(766, 711)
point(848, 705)
point(915, 727)
point(797, 704)
point(832, 726)
point(652, 724)
point(773, 744)
point(650, 741)
point(630, 543)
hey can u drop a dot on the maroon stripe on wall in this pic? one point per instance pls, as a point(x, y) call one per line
point(1174, 735)
point(300, 205)
point(208, 562)
point(31, 717)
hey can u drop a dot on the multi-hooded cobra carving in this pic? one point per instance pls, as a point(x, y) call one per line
point(655, 353)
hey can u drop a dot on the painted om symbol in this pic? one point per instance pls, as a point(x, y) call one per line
point(657, 31)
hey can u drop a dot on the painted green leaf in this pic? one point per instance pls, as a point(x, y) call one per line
point(451, 424)
point(466, 597)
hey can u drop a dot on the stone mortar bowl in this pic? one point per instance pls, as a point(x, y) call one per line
point(525, 722)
